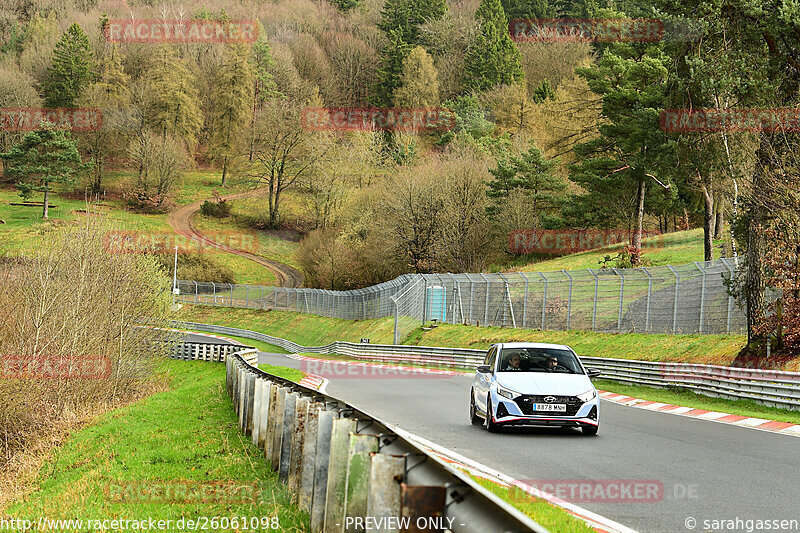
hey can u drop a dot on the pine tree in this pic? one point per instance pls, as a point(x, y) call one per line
point(232, 95)
point(71, 69)
point(631, 149)
point(419, 83)
point(391, 68)
point(530, 172)
point(264, 86)
point(43, 159)
point(493, 58)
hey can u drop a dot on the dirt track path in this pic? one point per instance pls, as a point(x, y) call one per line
point(181, 222)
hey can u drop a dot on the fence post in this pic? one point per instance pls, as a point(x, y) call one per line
point(214, 289)
point(471, 299)
point(486, 305)
point(621, 296)
point(544, 298)
point(524, 302)
point(510, 305)
point(675, 302)
point(730, 296)
point(702, 294)
point(649, 293)
point(231, 284)
point(396, 316)
point(594, 305)
point(569, 298)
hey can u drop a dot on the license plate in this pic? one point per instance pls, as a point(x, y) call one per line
point(550, 407)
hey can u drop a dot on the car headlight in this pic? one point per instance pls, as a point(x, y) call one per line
point(588, 395)
point(505, 393)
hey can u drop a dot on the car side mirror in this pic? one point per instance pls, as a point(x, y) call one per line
point(484, 369)
point(592, 372)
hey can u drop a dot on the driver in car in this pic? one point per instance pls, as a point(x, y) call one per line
point(512, 363)
point(552, 363)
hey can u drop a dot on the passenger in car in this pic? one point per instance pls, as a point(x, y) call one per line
point(512, 363)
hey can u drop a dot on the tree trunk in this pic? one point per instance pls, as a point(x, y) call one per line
point(637, 233)
point(46, 203)
point(755, 283)
point(720, 222)
point(708, 218)
point(224, 169)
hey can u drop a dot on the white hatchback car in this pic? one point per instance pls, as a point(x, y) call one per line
point(534, 384)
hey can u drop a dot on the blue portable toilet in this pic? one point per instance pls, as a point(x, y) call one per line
point(436, 298)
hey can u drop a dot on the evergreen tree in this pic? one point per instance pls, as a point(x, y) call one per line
point(530, 172)
point(528, 9)
point(232, 95)
point(174, 108)
point(71, 69)
point(264, 86)
point(391, 68)
point(419, 83)
point(631, 149)
point(43, 159)
point(493, 58)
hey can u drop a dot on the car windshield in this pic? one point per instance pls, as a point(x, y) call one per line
point(539, 360)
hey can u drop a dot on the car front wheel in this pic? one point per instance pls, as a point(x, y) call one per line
point(590, 430)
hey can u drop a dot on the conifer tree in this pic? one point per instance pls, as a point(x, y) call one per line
point(71, 69)
point(419, 83)
point(493, 58)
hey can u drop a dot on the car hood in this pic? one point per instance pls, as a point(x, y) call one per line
point(544, 383)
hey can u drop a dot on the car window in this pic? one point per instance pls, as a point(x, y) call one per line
point(492, 357)
point(539, 360)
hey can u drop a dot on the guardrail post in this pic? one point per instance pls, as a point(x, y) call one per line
point(298, 442)
point(524, 302)
point(544, 298)
point(289, 408)
point(358, 470)
point(257, 409)
point(621, 296)
point(702, 295)
point(337, 473)
point(569, 298)
point(675, 302)
point(250, 400)
point(277, 436)
point(308, 458)
point(321, 467)
point(384, 490)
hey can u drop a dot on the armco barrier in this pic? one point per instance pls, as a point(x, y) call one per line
point(216, 352)
point(343, 465)
point(770, 387)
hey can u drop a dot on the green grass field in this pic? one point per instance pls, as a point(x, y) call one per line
point(313, 330)
point(186, 436)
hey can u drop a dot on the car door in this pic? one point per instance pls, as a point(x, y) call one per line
point(484, 380)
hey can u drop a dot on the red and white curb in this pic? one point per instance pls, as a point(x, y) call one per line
point(314, 382)
point(594, 520)
point(773, 426)
point(409, 369)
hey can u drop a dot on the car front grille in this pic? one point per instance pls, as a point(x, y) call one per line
point(526, 402)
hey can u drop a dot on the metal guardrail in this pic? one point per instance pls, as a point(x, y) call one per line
point(770, 387)
point(216, 352)
point(342, 464)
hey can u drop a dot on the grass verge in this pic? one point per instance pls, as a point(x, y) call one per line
point(688, 398)
point(548, 515)
point(186, 435)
